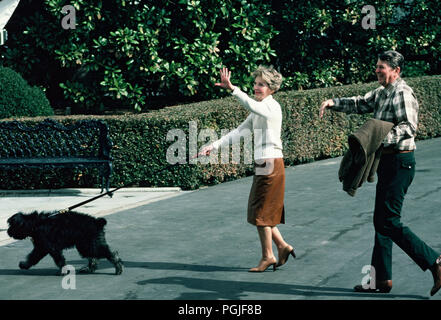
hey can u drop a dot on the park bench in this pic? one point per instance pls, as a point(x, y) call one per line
point(49, 144)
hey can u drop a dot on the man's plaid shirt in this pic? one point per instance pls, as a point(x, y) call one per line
point(396, 103)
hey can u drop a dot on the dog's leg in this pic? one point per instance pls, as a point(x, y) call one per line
point(86, 250)
point(117, 262)
point(33, 258)
point(59, 259)
point(113, 257)
point(91, 266)
point(103, 251)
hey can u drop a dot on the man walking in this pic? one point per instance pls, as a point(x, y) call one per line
point(394, 102)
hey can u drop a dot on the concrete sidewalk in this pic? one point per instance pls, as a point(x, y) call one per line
point(198, 245)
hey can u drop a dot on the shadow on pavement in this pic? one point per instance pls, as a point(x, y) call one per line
point(233, 290)
point(103, 264)
point(29, 272)
point(221, 289)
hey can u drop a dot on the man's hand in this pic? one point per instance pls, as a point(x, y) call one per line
point(326, 104)
point(204, 152)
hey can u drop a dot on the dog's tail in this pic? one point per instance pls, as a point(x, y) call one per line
point(101, 222)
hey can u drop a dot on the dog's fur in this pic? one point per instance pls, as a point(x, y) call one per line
point(52, 232)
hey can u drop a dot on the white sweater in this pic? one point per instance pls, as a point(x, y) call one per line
point(264, 121)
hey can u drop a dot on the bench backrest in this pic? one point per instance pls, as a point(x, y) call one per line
point(50, 139)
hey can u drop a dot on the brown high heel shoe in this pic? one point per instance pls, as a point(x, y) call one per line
point(284, 255)
point(264, 265)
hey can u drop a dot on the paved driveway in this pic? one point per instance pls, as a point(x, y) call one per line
point(198, 245)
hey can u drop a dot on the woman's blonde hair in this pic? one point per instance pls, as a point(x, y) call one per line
point(270, 75)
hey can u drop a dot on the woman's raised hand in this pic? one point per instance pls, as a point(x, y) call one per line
point(225, 79)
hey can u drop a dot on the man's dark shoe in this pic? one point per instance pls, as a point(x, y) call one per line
point(384, 286)
point(436, 273)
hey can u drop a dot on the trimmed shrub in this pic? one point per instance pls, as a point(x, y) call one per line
point(141, 146)
point(19, 99)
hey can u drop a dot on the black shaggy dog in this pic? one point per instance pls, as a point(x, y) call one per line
point(52, 232)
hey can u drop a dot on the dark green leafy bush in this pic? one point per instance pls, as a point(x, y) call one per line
point(138, 54)
point(19, 99)
point(152, 53)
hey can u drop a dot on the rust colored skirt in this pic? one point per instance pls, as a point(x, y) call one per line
point(266, 201)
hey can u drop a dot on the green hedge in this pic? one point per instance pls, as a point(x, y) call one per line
point(140, 143)
point(19, 99)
